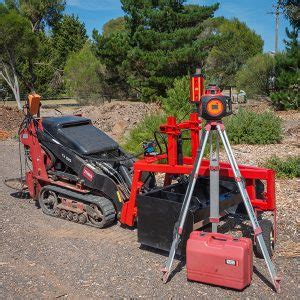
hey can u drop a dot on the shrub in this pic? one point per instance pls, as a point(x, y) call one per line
point(143, 132)
point(177, 102)
point(286, 100)
point(285, 168)
point(84, 76)
point(248, 127)
point(254, 77)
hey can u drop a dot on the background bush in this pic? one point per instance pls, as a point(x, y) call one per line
point(285, 168)
point(143, 132)
point(84, 76)
point(248, 127)
point(254, 77)
point(287, 100)
point(177, 103)
point(236, 44)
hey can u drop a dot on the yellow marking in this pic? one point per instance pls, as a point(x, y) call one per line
point(119, 196)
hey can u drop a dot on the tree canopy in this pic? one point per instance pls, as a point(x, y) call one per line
point(141, 55)
point(40, 13)
point(287, 71)
point(114, 26)
point(162, 44)
point(236, 43)
point(69, 36)
point(291, 9)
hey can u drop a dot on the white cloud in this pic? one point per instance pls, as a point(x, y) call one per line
point(95, 5)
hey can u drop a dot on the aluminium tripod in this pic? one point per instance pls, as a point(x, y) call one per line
point(218, 127)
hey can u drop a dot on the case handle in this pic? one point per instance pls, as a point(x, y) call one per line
point(218, 236)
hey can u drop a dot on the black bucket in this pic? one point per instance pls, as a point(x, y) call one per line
point(158, 211)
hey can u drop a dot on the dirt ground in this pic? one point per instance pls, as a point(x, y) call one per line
point(44, 257)
point(10, 120)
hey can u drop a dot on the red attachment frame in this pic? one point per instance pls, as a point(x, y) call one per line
point(158, 164)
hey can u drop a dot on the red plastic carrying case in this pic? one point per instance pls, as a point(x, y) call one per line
point(219, 259)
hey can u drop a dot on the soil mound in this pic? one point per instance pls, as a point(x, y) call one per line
point(116, 118)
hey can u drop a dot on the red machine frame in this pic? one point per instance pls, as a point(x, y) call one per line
point(168, 164)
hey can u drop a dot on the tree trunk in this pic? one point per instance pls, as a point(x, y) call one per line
point(13, 83)
point(17, 94)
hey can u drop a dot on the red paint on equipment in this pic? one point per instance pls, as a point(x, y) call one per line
point(214, 220)
point(88, 174)
point(219, 259)
point(257, 231)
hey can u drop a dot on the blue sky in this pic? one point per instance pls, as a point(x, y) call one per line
point(95, 13)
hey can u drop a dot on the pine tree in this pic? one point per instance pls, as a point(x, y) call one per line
point(68, 37)
point(164, 43)
point(287, 83)
point(112, 51)
point(291, 12)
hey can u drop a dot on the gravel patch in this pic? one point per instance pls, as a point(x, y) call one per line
point(44, 257)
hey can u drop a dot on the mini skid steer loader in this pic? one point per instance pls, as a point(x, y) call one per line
point(77, 172)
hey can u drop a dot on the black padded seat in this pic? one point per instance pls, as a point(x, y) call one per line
point(78, 134)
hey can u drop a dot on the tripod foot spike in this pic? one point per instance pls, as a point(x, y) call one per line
point(166, 274)
point(276, 283)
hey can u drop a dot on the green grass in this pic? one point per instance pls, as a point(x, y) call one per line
point(285, 168)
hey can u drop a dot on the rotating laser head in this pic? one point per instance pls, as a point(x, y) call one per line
point(215, 107)
point(212, 104)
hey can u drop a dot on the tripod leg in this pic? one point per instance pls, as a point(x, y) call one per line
point(214, 184)
point(185, 205)
point(248, 205)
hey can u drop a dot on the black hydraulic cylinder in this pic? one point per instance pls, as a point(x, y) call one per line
point(126, 175)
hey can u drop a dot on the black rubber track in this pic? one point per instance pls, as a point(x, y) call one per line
point(105, 205)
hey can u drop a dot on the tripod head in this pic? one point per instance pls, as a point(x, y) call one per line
point(211, 103)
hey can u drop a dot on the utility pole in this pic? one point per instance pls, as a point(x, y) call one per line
point(276, 13)
point(276, 26)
